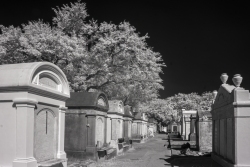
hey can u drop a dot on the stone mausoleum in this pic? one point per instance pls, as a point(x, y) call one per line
point(188, 121)
point(152, 127)
point(85, 124)
point(139, 127)
point(32, 115)
point(115, 124)
point(231, 124)
point(204, 131)
point(128, 119)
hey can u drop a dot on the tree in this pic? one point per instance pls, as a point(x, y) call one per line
point(108, 57)
point(169, 109)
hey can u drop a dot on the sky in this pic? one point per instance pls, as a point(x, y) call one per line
point(197, 40)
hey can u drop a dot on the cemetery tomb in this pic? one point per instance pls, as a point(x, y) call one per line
point(174, 127)
point(186, 123)
point(85, 124)
point(231, 122)
point(204, 131)
point(139, 127)
point(127, 117)
point(115, 113)
point(152, 126)
point(32, 115)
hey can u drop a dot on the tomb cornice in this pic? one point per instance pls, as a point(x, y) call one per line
point(115, 113)
point(24, 101)
point(33, 89)
point(242, 104)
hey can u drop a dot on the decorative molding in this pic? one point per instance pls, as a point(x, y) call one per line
point(242, 104)
point(35, 89)
point(26, 101)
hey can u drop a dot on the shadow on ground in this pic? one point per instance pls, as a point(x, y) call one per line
point(190, 161)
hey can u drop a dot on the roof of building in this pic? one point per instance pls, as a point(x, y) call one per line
point(32, 75)
point(92, 100)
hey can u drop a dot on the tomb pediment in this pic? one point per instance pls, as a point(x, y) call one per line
point(224, 96)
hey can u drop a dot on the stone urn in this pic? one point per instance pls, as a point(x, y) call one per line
point(237, 79)
point(224, 78)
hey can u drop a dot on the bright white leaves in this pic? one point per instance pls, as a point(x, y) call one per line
point(108, 57)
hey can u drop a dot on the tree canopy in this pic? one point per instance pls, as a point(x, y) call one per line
point(169, 109)
point(100, 56)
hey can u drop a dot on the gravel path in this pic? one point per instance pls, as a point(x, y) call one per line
point(152, 153)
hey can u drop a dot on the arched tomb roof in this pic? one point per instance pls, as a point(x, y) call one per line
point(38, 77)
point(88, 100)
point(116, 107)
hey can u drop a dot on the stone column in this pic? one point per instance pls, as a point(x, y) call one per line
point(187, 127)
point(24, 132)
point(183, 127)
point(61, 133)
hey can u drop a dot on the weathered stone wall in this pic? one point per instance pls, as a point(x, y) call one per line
point(231, 122)
point(205, 136)
point(75, 132)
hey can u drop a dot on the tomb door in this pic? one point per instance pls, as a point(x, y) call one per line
point(174, 128)
point(100, 131)
point(45, 138)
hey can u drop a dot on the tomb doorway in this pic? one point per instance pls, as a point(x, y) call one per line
point(45, 136)
point(100, 131)
point(174, 128)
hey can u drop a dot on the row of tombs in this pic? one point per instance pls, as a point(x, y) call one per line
point(42, 123)
point(225, 130)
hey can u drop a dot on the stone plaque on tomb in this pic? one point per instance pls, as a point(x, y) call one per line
point(100, 131)
point(118, 128)
point(113, 129)
point(45, 136)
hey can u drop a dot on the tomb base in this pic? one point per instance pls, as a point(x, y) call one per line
point(54, 163)
point(224, 162)
point(25, 162)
